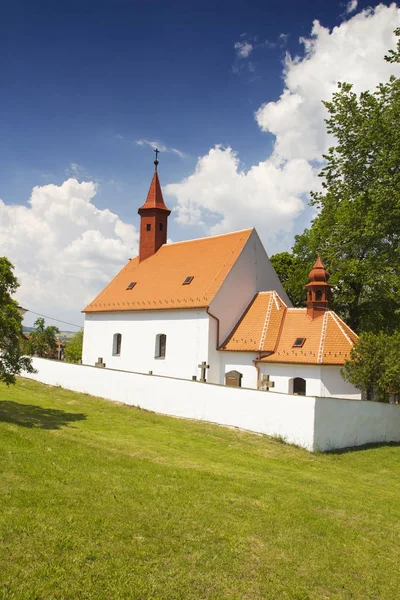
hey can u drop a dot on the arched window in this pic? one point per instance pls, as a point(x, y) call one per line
point(318, 295)
point(299, 386)
point(161, 345)
point(117, 339)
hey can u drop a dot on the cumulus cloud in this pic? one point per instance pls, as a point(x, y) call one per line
point(243, 49)
point(273, 193)
point(64, 249)
point(351, 6)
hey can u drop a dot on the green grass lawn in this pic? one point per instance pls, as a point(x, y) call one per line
point(101, 500)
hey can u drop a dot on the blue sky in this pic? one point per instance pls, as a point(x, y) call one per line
point(84, 81)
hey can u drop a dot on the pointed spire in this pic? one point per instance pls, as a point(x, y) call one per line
point(154, 197)
point(153, 218)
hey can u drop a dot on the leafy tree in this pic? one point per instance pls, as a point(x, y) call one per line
point(42, 341)
point(293, 274)
point(366, 365)
point(12, 362)
point(73, 350)
point(374, 365)
point(357, 229)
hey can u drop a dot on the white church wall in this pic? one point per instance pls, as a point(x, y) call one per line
point(313, 423)
point(251, 273)
point(213, 374)
point(242, 362)
point(187, 341)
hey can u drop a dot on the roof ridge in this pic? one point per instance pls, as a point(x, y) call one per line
point(323, 338)
point(209, 237)
point(266, 322)
point(336, 319)
point(343, 323)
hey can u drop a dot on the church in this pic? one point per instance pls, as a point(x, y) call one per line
point(213, 309)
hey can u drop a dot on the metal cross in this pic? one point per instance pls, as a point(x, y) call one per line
point(203, 366)
point(156, 150)
point(266, 383)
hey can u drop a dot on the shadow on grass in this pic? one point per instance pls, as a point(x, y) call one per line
point(28, 415)
point(362, 448)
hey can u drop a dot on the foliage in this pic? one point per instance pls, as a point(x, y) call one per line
point(126, 503)
point(357, 229)
point(73, 350)
point(293, 274)
point(374, 365)
point(12, 361)
point(42, 341)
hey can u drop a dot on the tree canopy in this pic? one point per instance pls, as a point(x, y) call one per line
point(374, 365)
point(357, 229)
point(73, 350)
point(42, 341)
point(12, 362)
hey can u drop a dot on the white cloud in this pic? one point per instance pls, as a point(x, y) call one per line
point(64, 249)
point(351, 6)
point(272, 194)
point(243, 49)
point(162, 147)
point(267, 195)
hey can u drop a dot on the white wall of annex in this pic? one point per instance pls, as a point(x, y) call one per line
point(321, 380)
point(251, 273)
point(187, 346)
point(242, 362)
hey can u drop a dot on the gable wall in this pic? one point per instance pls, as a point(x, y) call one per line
point(251, 273)
point(187, 346)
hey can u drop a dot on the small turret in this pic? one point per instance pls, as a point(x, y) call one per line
point(318, 290)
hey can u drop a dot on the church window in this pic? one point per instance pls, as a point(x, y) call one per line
point(161, 226)
point(117, 339)
point(299, 386)
point(148, 227)
point(318, 295)
point(161, 345)
point(299, 342)
point(188, 280)
point(131, 285)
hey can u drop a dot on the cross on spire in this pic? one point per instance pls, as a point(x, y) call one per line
point(156, 162)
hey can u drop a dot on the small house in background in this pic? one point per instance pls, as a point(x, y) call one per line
point(214, 308)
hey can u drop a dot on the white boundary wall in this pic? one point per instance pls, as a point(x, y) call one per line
point(311, 422)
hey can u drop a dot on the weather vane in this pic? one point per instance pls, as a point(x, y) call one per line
point(156, 150)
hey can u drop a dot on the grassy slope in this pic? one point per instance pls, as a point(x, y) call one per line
point(100, 500)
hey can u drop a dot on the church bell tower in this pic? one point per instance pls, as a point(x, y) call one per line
point(318, 290)
point(153, 218)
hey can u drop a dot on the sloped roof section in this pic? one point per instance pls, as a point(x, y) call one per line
point(258, 329)
point(269, 326)
point(159, 279)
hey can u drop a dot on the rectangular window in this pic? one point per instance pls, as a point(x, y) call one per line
point(148, 227)
point(161, 226)
point(299, 342)
point(188, 280)
point(131, 285)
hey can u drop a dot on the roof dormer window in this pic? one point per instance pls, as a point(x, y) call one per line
point(188, 280)
point(131, 285)
point(299, 342)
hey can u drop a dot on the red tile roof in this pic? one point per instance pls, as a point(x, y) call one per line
point(159, 278)
point(268, 325)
